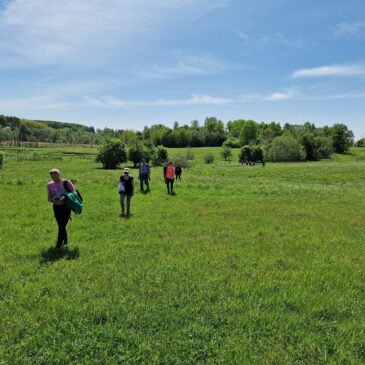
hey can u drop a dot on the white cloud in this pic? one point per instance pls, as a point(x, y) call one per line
point(274, 40)
point(189, 66)
point(113, 102)
point(346, 29)
point(332, 70)
point(53, 32)
point(281, 95)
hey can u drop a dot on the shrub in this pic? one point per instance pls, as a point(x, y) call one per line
point(342, 138)
point(226, 153)
point(324, 148)
point(286, 148)
point(316, 147)
point(209, 158)
point(181, 161)
point(190, 155)
point(161, 156)
point(111, 153)
point(250, 154)
point(232, 142)
point(245, 154)
point(137, 151)
point(1, 160)
point(257, 153)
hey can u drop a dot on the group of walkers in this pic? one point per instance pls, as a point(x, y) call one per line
point(57, 190)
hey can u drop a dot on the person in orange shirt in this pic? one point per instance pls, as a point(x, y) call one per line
point(169, 174)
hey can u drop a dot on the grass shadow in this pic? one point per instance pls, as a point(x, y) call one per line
point(54, 254)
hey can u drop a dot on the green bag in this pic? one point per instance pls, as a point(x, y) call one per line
point(73, 199)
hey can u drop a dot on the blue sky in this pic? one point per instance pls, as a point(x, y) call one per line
point(130, 63)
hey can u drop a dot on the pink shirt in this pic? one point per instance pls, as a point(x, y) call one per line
point(56, 189)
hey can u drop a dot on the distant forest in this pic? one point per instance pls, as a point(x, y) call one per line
point(213, 132)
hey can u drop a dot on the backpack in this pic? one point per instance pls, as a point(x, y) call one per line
point(73, 199)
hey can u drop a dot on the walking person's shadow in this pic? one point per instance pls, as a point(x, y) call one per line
point(55, 254)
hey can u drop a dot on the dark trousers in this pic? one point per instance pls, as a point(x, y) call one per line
point(62, 214)
point(170, 185)
point(144, 179)
point(178, 175)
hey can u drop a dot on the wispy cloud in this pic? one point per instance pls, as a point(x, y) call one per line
point(274, 40)
point(281, 95)
point(53, 32)
point(332, 70)
point(39, 103)
point(193, 65)
point(114, 102)
point(349, 29)
point(111, 102)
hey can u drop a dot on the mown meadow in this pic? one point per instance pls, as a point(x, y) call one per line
point(244, 265)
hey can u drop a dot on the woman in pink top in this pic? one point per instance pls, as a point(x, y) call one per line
point(55, 191)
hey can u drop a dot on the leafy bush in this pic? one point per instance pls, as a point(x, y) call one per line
point(232, 142)
point(286, 148)
point(226, 153)
point(316, 147)
point(1, 160)
point(245, 154)
point(342, 138)
point(137, 151)
point(257, 153)
point(324, 148)
point(181, 161)
point(111, 153)
point(209, 158)
point(190, 155)
point(250, 154)
point(160, 156)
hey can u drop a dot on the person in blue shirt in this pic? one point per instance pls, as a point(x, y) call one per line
point(144, 175)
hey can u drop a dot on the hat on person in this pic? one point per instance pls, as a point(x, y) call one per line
point(126, 170)
point(54, 171)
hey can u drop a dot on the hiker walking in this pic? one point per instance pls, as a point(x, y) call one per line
point(56, 188)
point(169, 174)
point(144, 175)
point(178, 171)
point(126, 191)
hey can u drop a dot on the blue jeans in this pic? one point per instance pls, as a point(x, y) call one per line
point(122, 198)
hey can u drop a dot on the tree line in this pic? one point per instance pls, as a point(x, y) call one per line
point(287, 142)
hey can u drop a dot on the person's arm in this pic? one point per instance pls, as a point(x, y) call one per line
point(49, 195)
point(133, 187)
point(70, 185)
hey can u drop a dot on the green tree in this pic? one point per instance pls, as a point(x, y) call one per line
point(139, 150)
point(161, 156)
point(249, 133)
point(342, 138)
point(232, 142)
point(111, 153)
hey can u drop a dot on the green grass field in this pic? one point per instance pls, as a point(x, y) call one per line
point(244, 265)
